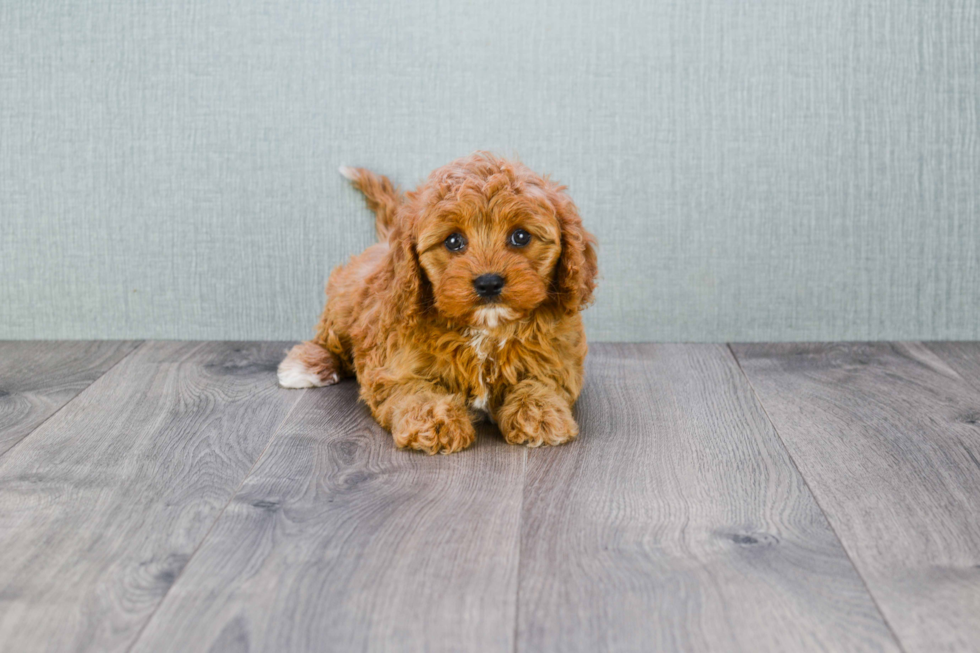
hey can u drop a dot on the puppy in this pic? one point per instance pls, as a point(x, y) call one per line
point(468, 304)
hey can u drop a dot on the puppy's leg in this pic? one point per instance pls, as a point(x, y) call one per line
point(425, 417)
point(535, 413)
point(308, 365)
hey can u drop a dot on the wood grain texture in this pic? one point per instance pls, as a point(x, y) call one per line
point(340, 542)
point(886, 437)
point(678, 522)
point(102, 506)
point(38, 378)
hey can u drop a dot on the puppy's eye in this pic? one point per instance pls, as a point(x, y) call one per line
point(519, 238)
point(455, 242)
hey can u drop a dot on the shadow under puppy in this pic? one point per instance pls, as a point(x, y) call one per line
point(468, 304)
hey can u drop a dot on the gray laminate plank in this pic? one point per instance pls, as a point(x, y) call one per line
point(102, 506)
point(339, 542)
point(677, 522)
point(38, 378)
point(964, 357)
point(885, 435)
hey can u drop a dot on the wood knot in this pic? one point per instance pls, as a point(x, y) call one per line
point(752, 539)
point(345, 450)
point(352, 480)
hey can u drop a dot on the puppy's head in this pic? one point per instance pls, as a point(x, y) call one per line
point(494, 241)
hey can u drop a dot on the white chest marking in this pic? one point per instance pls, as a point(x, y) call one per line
point(479, 342)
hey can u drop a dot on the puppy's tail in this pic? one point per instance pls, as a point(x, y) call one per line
point(381, 195)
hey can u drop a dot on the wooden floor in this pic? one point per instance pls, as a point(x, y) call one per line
point(165, 496)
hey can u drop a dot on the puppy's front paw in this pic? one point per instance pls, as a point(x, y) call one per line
point(534, 416)
point(435, 425)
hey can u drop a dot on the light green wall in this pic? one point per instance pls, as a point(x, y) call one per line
point(754, 170)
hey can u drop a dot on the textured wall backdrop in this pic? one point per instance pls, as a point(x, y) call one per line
point(754, 169)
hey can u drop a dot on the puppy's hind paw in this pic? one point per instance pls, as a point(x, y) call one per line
point(308, 365)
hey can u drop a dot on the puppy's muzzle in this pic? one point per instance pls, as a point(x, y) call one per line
point(488, 286)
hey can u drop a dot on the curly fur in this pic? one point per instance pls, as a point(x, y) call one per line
point(404, 318)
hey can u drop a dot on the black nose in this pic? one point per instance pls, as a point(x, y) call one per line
point(488, 285)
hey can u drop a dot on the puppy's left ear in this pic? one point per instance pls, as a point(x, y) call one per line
point(577, 267)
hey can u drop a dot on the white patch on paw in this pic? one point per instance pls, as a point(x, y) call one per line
point(348, 173)
point(293, 374)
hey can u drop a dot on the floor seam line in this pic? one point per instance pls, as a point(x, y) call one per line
point(520, 546)
point(34, 430)
point(221, 513)
point(816, 500)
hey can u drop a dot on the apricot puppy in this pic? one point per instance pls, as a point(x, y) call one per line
point(468, 304)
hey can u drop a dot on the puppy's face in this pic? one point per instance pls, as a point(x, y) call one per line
point(489, 248)
point(486, 241)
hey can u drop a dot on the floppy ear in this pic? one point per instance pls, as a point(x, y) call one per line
point(577, 267)
point(411, 293)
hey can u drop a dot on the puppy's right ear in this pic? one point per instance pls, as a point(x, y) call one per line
point(411, 292)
